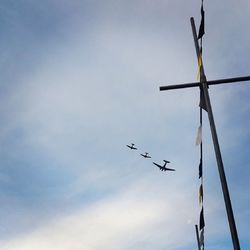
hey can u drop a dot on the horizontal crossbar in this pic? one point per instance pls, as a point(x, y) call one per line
point(213, 82)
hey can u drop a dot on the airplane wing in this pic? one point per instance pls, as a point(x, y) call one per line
point(169, 169)
point(159, 166)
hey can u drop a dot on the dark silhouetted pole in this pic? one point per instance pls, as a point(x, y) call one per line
point(197, 236)
point(203, 84)
point(198, 84)
point(223, 180)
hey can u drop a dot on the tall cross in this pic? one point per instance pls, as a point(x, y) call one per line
point(203, 84)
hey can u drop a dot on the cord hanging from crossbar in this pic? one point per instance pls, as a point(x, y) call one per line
point(202, 106)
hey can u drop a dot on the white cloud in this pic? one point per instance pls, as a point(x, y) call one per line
point(119, 222)
point(92, 94)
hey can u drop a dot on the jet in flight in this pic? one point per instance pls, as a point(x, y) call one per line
point(145, 155)
point(132, 146)
point(163, 167)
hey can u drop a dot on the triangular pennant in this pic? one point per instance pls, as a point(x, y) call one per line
point(200, 169)
point(202, 238)
point(198, 136)
point(201, 194)
point(202, 222)
point(202, 25)
point(202, 101)
point(199, 67)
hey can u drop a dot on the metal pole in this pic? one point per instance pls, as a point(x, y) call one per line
point(213, 82)
point(197, 236)
point(223, 180)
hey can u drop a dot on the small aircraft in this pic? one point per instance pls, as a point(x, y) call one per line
point(145, 155)
point(163, 167)
point(132, 146)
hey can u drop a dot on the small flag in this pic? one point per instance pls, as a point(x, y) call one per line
point(202, 222)
point(202, 101)
point(201, 194)
point(202, 25)
point(202, 238)
point(199, 136)
point(200, 169)
point(199, 67)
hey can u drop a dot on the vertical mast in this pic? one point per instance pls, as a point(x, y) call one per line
point(222, 175)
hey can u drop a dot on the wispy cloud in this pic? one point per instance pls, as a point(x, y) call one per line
point(90, 87)
point(133, 216)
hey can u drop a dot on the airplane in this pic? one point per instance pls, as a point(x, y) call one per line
point(146, 155)
point(163, 167)
point(132, 146)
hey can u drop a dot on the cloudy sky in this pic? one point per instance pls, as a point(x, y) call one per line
point(80, 80)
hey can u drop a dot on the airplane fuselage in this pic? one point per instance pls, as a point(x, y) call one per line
point(164, 168)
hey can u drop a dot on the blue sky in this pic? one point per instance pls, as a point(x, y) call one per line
point(79, 81)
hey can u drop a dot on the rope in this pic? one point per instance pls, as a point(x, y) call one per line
point(201, 193)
